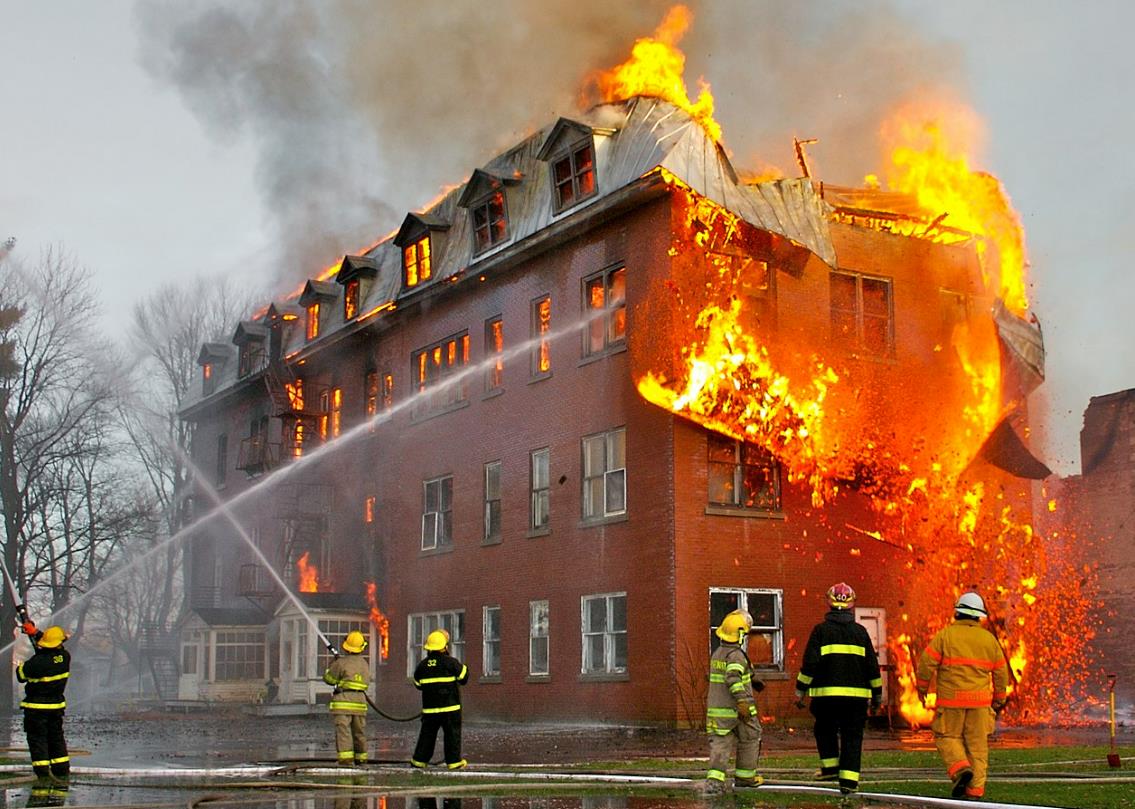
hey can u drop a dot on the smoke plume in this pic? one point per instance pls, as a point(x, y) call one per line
point(362, 111)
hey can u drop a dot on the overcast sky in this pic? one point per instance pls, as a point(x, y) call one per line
point(157, 140)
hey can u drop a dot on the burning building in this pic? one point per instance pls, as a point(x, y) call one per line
point(606, 391)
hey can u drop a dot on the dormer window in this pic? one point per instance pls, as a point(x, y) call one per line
point(490, 222)
point(417, 264)
point(573, 175)
point(312, 326)
point(207, 377)
point(351, 299)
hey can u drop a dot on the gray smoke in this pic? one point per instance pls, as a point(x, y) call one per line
point(363, 110)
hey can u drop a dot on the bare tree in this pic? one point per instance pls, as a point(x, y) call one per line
point(49, 390)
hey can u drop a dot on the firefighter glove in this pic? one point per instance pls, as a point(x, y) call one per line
point(746, 710)
point(28, 628)
point(998, 706)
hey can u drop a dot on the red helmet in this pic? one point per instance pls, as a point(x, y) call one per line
point(841, 596)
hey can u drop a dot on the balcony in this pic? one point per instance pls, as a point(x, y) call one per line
point(257, 455)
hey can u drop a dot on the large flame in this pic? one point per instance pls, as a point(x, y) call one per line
point(656, 68)
point(307, 573)
point(380, 622)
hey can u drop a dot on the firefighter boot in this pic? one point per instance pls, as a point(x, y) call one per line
point(961, 781)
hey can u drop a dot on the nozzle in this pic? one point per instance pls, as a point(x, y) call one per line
point(331, 648)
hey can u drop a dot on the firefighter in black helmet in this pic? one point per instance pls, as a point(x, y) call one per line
point(438, 678)
point(45, 676)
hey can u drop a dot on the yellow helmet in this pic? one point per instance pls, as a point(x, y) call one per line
point(436, 641)
point(735, 626)
point(354, 642)
point(53, 636)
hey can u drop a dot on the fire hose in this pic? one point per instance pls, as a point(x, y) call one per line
point(21, 608)
point(335, 653)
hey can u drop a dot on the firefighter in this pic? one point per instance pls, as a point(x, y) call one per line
point(972, 685)
point(840, 672)
point(45, 676)
point(731, 713)
point(438, 677)
point(349, 674)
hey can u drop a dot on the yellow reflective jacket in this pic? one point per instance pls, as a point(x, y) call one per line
point(350, 674)
point(969, 666)
point(730, 683)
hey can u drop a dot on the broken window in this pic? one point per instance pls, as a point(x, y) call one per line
point(437, 513)
point(541, 499)
point(541, 326)
point(574, 175)
point(490, 222)
point(741, 475)
point(605, 304)
point(312, 330)
point(604, 474)
point(862, 313)
point(417, 264)
point(491, 641)
point(439, 370)
point(492, 502)
point(494, 348)
point(351, 299)
point(604, 622)
point(420, 625)
point(766, 638)
point(539, 638)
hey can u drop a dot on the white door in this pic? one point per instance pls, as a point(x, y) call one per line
point(874, 620)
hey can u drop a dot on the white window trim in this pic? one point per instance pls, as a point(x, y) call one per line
point(609, 666)
point(547, 638)
point(485, 639)
point(414, 650)
point(776, 632)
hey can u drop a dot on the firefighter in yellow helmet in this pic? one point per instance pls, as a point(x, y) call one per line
point(731, 713)
point(349, 674)
point(45, 676)
point(438, 677)
point(972, 677)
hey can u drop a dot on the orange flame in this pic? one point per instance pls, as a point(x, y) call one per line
point(656, 69)
point(308, 574)
point(379, 620)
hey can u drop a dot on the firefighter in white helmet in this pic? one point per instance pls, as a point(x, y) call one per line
point(439, 678)
point(972, 684)
point(350, 676)
point(731, 712)
point(840, 672)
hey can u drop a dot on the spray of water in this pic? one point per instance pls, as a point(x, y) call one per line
point(225, 509)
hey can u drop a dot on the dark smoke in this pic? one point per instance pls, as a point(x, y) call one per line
point(362, 110)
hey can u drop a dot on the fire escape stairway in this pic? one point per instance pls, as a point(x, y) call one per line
point(161, 656)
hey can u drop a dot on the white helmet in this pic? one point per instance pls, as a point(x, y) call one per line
point(971, 606)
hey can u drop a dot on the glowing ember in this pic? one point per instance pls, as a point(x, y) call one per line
point(656, 68)
point(378, 620)
point(307, 573)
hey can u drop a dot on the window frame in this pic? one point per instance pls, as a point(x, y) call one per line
point(614, 337)
point(587, 506)
point(609, 635)
point(351, 299)
point(420, 624)
point(540, 328)
point(494, 347)
point(491, 499)
point(738, 476)
point(440, 367)
point(370, 393)
point(774, 631)
point(856, 338)
point(443, 541)
point(537, 492)
point(495, 227)
point(418, 257)
point(539, 632)
point(250, 649)
point(490, 641)
point(573, 179)
point(311, 321)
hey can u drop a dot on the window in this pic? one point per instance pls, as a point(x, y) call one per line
point(439, 369)
point(208, 381)
point(299, 438)
point(417, 264)
point(494, 347)
point(420, 625)
point(492, 502)
point(437, 513)
point(605, 474)
point(604, 622)
point(351, 299)
point(490, 222)
point(491, 642)
point(370, 394)
point(239, 656)
point(250, 359)
point(336, 414)
point(538, 638)
point(540, 513)
point(541, 325)
point(312, 321)
point(387, 391)
point(766, 640)
point(222, 458)
point(369, 509)
point(336, 630)
point(605, 303)
point(862, 312)
point(574, 175)
point(742, 475)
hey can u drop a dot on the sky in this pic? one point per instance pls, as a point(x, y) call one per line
point(155, 141)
